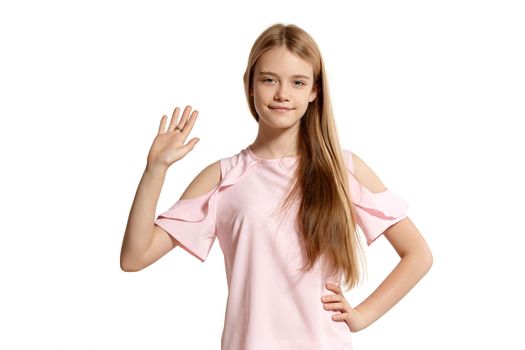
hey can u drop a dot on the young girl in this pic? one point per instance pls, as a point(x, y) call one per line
point(284, 209)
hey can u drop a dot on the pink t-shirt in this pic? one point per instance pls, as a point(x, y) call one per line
point(271, 304)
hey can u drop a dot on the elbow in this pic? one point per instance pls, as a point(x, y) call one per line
point(428, 263)
point(126, 266)
point(421, 259)
point(430, 259)
point(426, 259)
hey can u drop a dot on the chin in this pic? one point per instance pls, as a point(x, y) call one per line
point(279, 123)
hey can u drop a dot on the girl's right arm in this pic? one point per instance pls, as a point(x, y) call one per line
point(167, 148)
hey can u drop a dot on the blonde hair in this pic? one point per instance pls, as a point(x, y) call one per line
point(325, 215)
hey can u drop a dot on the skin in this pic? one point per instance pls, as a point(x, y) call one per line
point(290, 85)
point(415, 261)
point(277, 136)
point(145, 243)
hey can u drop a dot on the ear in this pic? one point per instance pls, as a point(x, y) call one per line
point(250, 91)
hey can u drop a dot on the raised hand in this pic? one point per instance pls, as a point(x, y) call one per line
point(168, 146)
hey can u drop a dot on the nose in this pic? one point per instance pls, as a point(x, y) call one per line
point(281, 93)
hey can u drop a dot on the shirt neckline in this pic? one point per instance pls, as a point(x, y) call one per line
point(267, 160)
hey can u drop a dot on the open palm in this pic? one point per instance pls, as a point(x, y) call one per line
point(168, 145)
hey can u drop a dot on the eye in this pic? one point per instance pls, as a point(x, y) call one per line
point(267, 80)
point(301, 83)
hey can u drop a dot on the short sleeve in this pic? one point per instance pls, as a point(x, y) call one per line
point(192, 222)
point(375, 211)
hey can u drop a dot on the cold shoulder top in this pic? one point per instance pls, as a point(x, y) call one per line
point(271, 303)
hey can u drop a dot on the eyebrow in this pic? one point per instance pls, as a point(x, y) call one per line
point(293, 76)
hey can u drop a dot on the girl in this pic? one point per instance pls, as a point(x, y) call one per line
point(284, 268)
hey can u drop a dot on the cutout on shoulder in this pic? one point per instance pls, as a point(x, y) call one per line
point(376, 207)
point(347, 155)
point(192, 219)
point(365, 175)
point(204, 182)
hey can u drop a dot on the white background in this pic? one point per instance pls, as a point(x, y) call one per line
point(429, 94)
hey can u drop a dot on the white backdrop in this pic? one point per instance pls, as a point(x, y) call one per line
point(429, 94)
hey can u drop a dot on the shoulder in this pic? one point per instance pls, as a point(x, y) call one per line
point(363, 173)
point(207, 179)
point(211, 175)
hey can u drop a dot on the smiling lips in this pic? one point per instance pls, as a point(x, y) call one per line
point(280, 108)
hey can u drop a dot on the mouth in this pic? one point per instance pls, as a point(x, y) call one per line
point(280, 108)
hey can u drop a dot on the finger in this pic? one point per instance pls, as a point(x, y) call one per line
point(189, 146)
point(339, 317)
point(335, 306)
point(334, 287)
point(189, 124)
point(330, 298)
point(173, 120)
point(184, 117)
point(162, 125)
point(186, 128)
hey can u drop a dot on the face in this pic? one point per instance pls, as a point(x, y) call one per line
point(282, 87)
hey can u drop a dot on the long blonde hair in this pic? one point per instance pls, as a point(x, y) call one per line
point(325, 215)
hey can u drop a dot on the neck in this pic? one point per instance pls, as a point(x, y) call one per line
point(276, 143)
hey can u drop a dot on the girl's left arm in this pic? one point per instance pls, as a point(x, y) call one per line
point(416, 260)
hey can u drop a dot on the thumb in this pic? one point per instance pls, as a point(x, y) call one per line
point(191, 144)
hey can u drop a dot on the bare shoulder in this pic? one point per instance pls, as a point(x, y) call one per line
point(366, 176)
point(205, 181)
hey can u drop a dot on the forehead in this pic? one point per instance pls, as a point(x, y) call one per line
point(283, 62)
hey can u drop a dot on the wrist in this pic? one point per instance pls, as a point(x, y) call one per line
point(363, 318)
point(155, 169)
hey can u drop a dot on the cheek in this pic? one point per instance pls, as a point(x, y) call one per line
point(262, 96)
point(305, 99)
point(264, 91)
